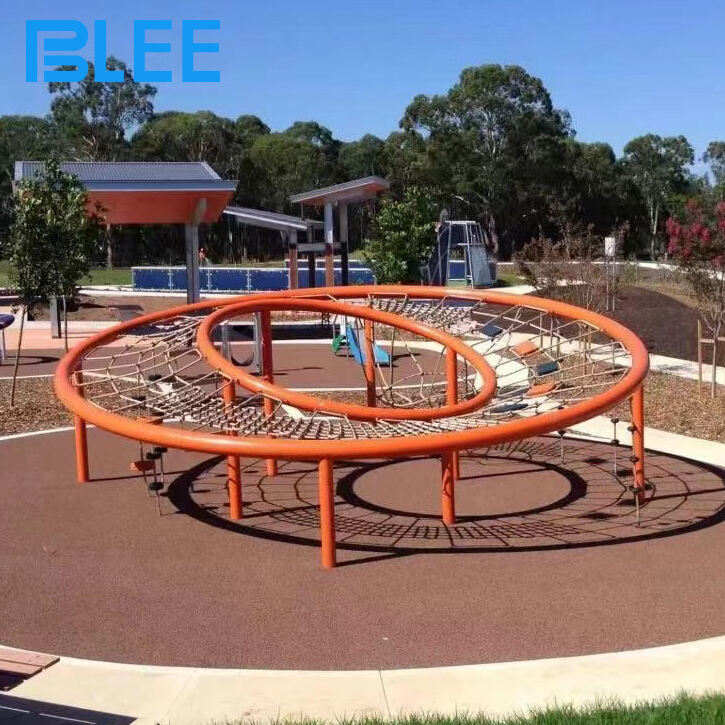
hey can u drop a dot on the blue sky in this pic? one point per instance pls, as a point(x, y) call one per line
point(620, 68)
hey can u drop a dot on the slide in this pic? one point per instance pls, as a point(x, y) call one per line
point(381, 357)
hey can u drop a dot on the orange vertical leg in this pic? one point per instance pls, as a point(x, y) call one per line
point(268, 373)
point(637, 407)
point(326, 496)
point(234, 482)
point(369, 364)
point(81, 438)
point(448, 499)
point(452, 396)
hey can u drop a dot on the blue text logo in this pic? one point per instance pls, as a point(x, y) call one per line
point(146, 39)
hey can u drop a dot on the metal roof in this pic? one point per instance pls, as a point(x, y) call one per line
point(135, 175)
point(269, 219)
point(350, 191)
point(124, 170)
point(138, 192)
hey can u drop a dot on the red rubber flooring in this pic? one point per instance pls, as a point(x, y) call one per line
point(546, 560)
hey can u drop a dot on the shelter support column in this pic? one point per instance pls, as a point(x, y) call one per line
point(326, 494)
point(191, 238)
point(344, 239)
point(369, 364)
point(81, 437)
point(329, 246)
point(452, 395)
point(311, 270)
point(265, 331)
point(637, 409)
point(292, 237)
point(234, 483)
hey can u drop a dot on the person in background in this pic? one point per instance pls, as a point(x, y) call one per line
point(204, 261)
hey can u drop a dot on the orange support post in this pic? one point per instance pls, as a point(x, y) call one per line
point(369, 363)
point(637, 408)
point(448, 498)
point(81, 437)
point(265, 331)
point(234, 483)
point(452, 396)
point(326, 496)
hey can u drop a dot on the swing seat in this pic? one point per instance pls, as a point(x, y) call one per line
point(547, 368)
point(524, 349)
point(542, 389)
point(491, 330)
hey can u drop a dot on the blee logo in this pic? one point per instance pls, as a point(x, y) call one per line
point(57, 51)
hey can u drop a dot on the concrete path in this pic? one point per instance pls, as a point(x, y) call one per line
point(193, 696)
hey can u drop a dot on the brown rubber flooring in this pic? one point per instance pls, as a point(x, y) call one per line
point(546, 559)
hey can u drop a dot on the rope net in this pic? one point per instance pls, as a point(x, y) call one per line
point(542, 363)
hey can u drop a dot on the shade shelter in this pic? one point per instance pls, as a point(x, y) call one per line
point(288, 226)
point(150, 192)
point(340, 196)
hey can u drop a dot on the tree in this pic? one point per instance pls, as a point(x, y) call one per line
point(365, 157)
point(179, 136)
point(402, 239)
point(287, 164)
point(588, 192)
point(52, 241)
point(95, 116)
point(697, 244)
point(657, 166)
point(715, 156)
point(493, 141)
point(22, 137)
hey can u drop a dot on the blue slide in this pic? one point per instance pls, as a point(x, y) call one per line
point(381, 357)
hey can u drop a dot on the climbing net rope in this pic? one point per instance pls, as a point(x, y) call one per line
point(547, 360)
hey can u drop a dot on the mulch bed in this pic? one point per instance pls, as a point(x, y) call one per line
point(102, 308)
point(678, 405)
point(36, 407)
point(665, 325)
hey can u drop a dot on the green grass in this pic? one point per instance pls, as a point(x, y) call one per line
point(682, 710)
point(4, 266)
point(103, 275)
point(116, 276)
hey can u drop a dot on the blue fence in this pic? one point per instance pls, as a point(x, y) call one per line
point(256, 279)
point(238, 279)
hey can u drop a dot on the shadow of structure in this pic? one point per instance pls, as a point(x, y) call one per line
point(21, 711)
point(522, 496)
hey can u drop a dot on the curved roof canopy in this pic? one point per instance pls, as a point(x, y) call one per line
point(350, 192)
point(269, 219)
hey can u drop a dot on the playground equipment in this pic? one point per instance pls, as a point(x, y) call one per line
point(467, 236)
point(488, 368)
point(5, 322)
point(352, 344)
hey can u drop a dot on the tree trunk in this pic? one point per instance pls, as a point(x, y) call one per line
point(17, 356)
point(654, 218)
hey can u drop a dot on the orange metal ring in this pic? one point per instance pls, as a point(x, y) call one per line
point(314, 403)
point(261, 447)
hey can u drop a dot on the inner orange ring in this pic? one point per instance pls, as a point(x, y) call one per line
point(319, 404)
